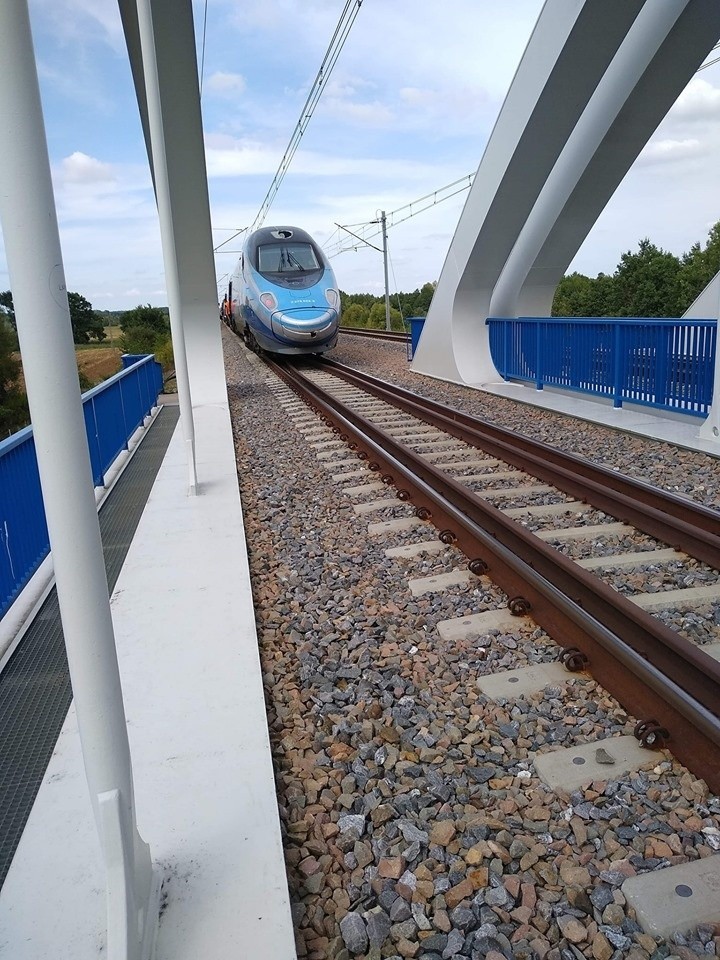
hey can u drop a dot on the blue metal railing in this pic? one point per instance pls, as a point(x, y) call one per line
point(668, 364)
point(113, 411)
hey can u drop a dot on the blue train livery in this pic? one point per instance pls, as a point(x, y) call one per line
point(283, 297)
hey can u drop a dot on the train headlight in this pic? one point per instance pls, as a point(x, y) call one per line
point(332, 297)
point(268, 301)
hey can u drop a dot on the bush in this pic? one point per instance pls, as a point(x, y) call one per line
point(146, 317)
point(14, 414)
point(164, 355)
point(141, 340)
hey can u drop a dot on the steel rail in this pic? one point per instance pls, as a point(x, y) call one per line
point(675, 520)
point(654, 673)
point(376, 334)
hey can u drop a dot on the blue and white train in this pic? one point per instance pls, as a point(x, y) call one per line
point(283, 297)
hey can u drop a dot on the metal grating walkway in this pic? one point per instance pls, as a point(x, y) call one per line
point(35, 691)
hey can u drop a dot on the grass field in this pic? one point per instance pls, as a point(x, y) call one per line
point(99, 363)
point(100, 360)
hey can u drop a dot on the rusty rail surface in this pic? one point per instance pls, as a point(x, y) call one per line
point(666, 681)
point(673, 519)
point(376, 334)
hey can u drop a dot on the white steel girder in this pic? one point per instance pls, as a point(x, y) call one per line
point(594, 82)
point(167, 75)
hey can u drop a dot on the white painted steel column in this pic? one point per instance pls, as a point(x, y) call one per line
point(32, 244)
point(710, 429)
point(177, 80)
point(167, 231)
point(630, 63)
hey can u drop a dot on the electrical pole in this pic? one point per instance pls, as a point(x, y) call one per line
point(385, 264)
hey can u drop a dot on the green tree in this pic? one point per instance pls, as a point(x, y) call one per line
point(580, 296)
point(13, 403)
point(376, 317)
point(355, 315)
point(86, 323)
point(141, 340)
point(6, 302)
point(646, 283)
point(146, 329)
point(699, 266)
point(154, 318)
point(423, 301)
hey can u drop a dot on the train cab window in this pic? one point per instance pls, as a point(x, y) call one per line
point(287, 258)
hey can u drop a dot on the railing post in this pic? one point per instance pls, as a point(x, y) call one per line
point(122, 413)
point(618, 366)
point(538, 345)
point(710, 429)
point(99, 477)
point(662, 364)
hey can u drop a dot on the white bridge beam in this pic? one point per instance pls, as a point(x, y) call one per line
point(164, 68)
point(569, 51)
point(593, 84)
point(664, 47)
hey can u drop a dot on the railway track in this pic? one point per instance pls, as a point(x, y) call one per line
point(445, 784)
point(376, 334)
point(484, 487)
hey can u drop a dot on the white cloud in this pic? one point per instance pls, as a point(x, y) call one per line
point(224, 84)
point(373, 114)
point(83, 21)
point(699, 102)
point(80, 168)
point(226, 157)
point(670, 151)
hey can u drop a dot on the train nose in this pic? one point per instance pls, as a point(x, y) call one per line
point(304, 324)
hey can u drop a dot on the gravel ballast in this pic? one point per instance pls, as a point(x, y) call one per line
point(413, 821)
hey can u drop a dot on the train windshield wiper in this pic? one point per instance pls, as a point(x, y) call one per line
point(294, 260)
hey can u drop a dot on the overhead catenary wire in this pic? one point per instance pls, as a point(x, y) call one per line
point(339, 38)
point(709, 63)
point(202, 54)
point(236, 234)
point(393, 218)
point(704, 66)
point(342, 245)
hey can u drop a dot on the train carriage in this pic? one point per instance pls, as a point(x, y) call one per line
point(283, 296)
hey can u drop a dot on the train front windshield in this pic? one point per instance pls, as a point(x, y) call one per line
point(292, 258)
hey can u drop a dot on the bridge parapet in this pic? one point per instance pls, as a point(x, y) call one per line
point(662, 363)
point(113, 411)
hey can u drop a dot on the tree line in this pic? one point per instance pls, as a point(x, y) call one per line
point(145, 329)
point(367, 310)
point(650, 282)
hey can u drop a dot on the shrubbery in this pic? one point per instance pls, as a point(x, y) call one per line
point(146, 329)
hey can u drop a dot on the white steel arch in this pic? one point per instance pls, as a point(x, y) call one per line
point(594, 82)
point(569, 51)
point(664, 48)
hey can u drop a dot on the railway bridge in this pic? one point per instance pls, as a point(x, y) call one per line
point(178, 852)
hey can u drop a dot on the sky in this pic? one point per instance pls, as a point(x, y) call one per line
point(409, 108)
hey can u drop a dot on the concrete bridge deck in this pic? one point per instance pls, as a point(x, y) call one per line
point(187, 648)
